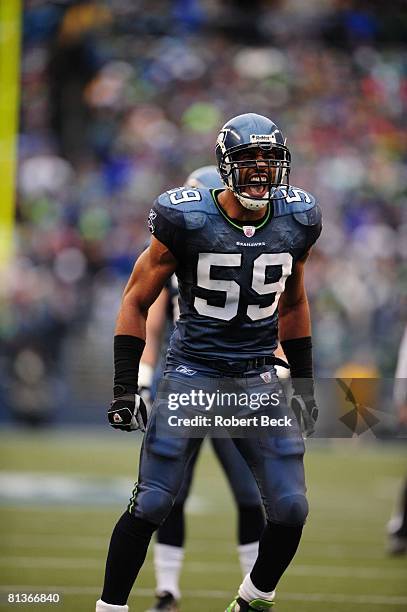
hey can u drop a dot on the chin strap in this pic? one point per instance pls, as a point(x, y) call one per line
point(250, 203)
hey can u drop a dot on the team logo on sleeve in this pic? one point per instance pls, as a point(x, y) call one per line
point(249, 230)
point(150, 221)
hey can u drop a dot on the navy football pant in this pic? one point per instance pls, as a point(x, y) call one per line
point(245, 491)
point(243, 485)
point(275, 461)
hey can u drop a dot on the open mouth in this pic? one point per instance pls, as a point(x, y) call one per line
point(257, 185)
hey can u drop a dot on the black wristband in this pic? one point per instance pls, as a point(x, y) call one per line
point(299, 356)
point(127, 354)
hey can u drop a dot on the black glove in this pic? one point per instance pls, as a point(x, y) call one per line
point(306, 411)
point(127, 411)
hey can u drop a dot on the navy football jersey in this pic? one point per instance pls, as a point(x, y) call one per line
point(231, 274)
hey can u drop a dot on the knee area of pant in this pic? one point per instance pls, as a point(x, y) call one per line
point(246, 493)
point(291, 510)
point(154, 505)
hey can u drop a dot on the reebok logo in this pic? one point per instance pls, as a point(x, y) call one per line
point(183, 369)
point(255, 138)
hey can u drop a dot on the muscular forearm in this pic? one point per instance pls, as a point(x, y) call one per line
point(154, 329)
point(295, 338)
point(131, 320)
point(295, 321)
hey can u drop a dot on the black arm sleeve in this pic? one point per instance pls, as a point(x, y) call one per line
point(299, 356)
point(127, 354)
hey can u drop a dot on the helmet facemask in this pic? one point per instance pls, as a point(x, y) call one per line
point(254, 180)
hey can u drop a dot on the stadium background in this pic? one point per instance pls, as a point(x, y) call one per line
point(119, 101)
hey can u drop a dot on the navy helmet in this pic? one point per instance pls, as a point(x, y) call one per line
point(206, 176)
point(237, 148)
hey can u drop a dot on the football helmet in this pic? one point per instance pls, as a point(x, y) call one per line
point(253, 159)
point(206, 176)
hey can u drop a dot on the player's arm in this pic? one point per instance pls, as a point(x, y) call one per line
point(293, 310)
point(155, 325)
point(154, 266)
point(295, 338)
point(154, 329)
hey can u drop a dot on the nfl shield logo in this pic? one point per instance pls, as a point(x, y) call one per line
point(266, 376)
point(249, 230)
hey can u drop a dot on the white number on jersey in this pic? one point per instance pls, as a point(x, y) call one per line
point(232, 289)
point(181, 195)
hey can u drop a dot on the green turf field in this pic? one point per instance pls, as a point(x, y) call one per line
point(62, 493)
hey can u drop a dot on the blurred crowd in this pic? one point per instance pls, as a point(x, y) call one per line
point(120, 100)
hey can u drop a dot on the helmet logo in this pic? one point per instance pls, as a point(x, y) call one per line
point(266, 138)
point(222, 137)
point(249, 230)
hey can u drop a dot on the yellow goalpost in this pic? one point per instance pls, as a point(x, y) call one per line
point(10, 36)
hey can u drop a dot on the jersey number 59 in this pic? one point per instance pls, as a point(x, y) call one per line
point(232, 288)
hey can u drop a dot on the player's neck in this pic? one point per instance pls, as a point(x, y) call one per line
point(234, 209)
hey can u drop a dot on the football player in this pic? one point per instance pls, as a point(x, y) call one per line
point(239, 256)
point(168, 551)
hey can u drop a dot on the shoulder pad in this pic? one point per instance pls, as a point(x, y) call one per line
point(185, 206)
point(293, 201)
point(310, 217)
point(165, 211)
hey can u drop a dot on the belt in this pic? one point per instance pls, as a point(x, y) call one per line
point(235, 368)
point(259, 362)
